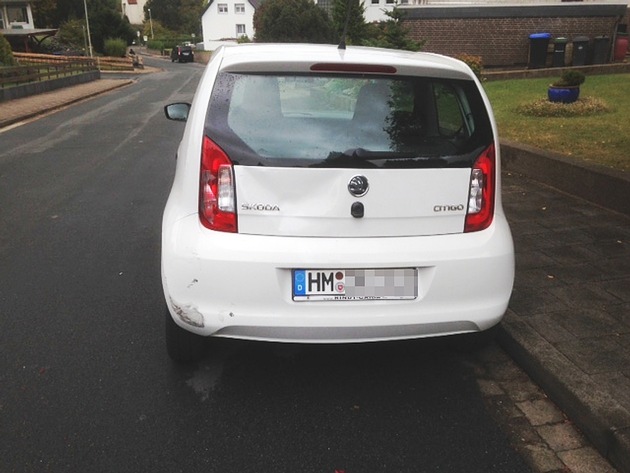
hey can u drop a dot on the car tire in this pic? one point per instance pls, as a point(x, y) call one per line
point(470, 342)
point(183, 346)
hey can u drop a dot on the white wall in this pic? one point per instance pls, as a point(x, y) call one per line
point(374, 11)
point(218, 26)
point(135, 13)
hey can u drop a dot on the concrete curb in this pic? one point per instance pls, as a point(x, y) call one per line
point(606, 187)
point(597, 414)
point(600, 417)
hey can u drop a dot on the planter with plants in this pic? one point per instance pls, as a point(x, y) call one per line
point(567, 88)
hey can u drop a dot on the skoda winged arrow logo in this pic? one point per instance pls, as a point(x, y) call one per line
point(358, 186)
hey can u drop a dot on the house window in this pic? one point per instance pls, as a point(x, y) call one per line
point(239, 8)
point(17, 15)
point(390, 2)
point(375, 2)
point(240, 30)
point(223, 8)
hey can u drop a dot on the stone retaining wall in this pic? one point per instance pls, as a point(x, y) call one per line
point(47, 85)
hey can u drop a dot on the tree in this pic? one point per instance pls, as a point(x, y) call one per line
point(181, 16)
point(6, 54)
point(292, 21)
point(104, 16)
point(45, 14)
point(392, 34)
point(357, 28)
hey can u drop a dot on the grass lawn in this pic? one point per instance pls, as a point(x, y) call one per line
point(602, 138)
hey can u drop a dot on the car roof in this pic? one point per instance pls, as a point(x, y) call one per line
point(267, 57)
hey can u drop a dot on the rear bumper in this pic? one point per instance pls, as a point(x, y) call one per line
point(239, 286)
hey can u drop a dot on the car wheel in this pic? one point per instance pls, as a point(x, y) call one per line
point(470, 342)
point(183, 346)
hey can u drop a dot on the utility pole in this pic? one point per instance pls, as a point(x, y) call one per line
point(87, 23)
point(150, 22)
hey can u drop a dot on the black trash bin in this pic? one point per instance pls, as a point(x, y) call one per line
point(601, 49)
point(538, 43)
point(559, 52)
point(580, 50)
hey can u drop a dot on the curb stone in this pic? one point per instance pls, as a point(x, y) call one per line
point(600, 417)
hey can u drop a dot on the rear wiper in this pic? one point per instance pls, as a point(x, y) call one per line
point(395, 159)
point(363, 158)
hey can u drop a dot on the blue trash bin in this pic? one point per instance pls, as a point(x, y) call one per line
point(538, 44)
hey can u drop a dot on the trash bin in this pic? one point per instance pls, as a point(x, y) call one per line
point(621, 46)
point(559, 52)
point(600, 49)
point(580, 50)
point(538, 43)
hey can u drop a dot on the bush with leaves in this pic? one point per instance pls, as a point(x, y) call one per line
point(115, 47)
point(6, 54)
point(570, 78)
point(71, 36)
point(474, 62)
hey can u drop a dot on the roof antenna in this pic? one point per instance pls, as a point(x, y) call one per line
point(342, 41)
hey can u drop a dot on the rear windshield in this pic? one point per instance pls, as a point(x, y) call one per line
point(347, 121)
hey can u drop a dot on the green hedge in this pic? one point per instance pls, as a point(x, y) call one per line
point(115, 47)
point(166, 43)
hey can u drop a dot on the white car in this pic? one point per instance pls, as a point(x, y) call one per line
point(327, 195)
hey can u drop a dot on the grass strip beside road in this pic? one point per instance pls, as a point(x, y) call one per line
point(602, 138)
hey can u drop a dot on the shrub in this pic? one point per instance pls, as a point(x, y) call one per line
point(6, 54)
point(474, 62)
point(155, 44)
point(115, 47)
point(570, 79)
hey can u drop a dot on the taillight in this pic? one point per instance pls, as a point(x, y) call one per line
point(217, 208)
point(482, 189)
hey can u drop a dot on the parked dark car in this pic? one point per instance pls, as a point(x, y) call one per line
point(182, 54)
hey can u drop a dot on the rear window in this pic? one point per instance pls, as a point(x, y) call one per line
point(347, 121)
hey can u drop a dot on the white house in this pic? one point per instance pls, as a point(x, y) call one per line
point(16, 14)
point(133, 10)
point(224, 21)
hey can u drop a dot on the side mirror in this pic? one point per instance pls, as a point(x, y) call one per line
point(177, 111)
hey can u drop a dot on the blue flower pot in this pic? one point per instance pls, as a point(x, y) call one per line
point(563, 94)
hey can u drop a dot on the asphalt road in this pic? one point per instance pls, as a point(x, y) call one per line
point(85, 382)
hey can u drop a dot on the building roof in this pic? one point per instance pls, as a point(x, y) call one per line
point(22, 32)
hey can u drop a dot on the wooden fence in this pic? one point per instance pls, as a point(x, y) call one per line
point(42, 71)
point(41, 67)
point(102, 63)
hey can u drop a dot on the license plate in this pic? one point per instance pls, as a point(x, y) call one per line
point(355, 284)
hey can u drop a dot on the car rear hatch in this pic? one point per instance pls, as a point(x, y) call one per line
point(350, 155)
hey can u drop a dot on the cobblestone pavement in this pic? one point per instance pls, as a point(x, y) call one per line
point(535, 426)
